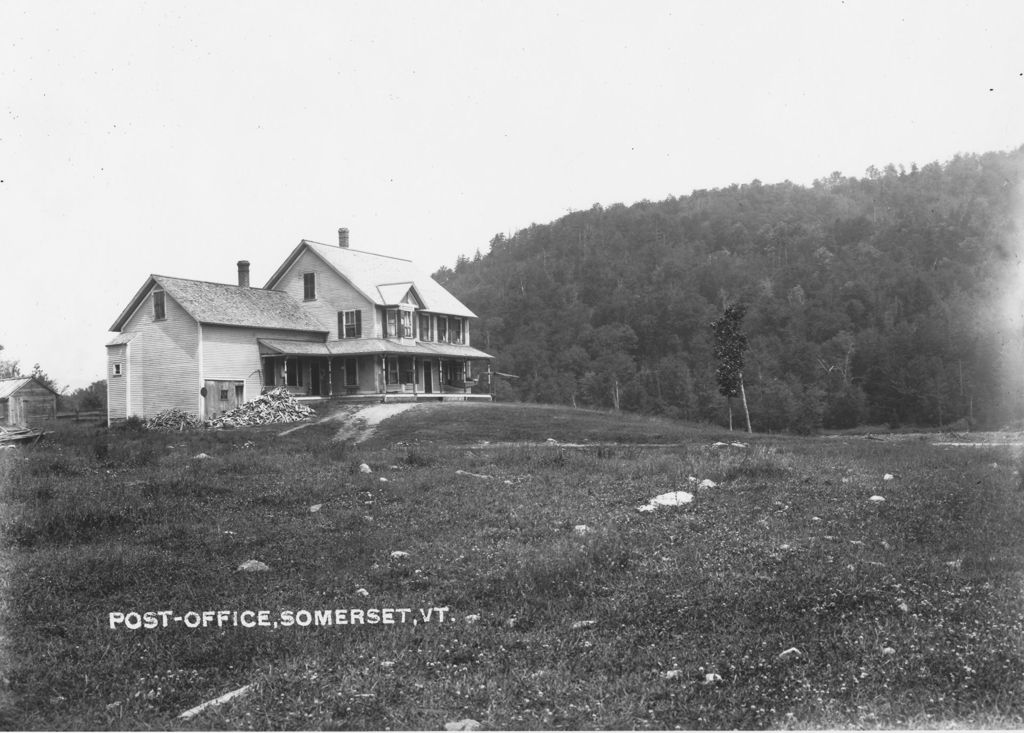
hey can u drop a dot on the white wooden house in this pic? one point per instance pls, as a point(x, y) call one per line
point(330, 322)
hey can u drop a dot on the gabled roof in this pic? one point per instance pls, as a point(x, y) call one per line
point(10, 386)
point(227, 305)
point(368, 272)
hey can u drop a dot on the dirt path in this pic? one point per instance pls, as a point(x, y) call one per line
point(360, 424)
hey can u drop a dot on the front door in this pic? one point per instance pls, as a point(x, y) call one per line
point(314, 378)
point(428, 380)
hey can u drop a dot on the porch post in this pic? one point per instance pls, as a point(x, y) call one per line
point(384, 374)
point(415, 376)
point(330, 378)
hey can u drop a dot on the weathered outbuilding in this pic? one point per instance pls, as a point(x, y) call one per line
point(26, 401)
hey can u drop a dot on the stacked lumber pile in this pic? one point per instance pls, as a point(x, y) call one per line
point(174, 420)
point(19, 436)
point(276, 406)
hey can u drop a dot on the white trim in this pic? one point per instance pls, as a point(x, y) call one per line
point(200, 400)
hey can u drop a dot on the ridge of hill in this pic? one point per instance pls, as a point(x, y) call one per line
point(880, 299)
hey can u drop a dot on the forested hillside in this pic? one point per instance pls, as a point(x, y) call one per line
point(882, 299)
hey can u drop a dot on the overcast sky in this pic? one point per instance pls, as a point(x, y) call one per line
point(179, 137)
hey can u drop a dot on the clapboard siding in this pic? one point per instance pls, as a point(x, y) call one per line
point(117, 386)
point(232, 353)
point(163, 360)
point(333, 294)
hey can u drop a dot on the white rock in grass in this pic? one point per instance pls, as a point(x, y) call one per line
point(399, 555)
point(584, 624)
point(383, 480)
point(672, 498)
point(472, 618)
point(692, 479)
point(582, 529)
point(387, 664)
point(315, 508)
point(876, 498)
point(903, 607)
point(707, 484)
point(672, 674)
point(711, 678)
point(253, 566)
point(362, 592)
point(646, 508)
point(363, 468)
point(791, 652)
point(888, 651)
point(464, 724)
point(888, 477)
point(200, 456)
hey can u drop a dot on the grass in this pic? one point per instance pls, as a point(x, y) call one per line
point(905, 613)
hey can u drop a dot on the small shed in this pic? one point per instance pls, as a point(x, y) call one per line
point(26, 400)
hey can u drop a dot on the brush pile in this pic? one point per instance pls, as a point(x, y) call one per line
point(173, 420)
point(276, 406)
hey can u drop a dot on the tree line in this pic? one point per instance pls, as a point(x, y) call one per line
point(890, 298)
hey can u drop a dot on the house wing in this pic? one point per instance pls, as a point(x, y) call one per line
point(229, 305)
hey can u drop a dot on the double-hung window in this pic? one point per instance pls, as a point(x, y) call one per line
point(350, 324)
point(309, 286)
point(351, 373)
point(391, 324)
point(425, 334)
point(456, 330)
point(159, 305)
point(406, 324)
point(442, 329)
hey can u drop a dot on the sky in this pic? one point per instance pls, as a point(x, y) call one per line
point(177, 138)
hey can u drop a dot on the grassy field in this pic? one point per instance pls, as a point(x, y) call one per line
point(781, 598)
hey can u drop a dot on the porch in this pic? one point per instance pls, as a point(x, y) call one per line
point(392, 371)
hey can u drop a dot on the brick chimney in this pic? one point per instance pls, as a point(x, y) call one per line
point(243, 273)
point(343, 238)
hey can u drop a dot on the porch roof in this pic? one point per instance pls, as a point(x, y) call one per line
point(367, 346)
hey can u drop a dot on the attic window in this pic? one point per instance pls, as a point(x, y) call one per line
point(309, 286)
point(159, 309)
point(117, 369)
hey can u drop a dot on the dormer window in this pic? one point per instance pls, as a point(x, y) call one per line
point(309, 286)
point(159, 306)
point(406, 324)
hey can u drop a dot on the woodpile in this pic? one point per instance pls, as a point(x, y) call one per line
point(19, 436)
point(276, 406)
point(174, 420)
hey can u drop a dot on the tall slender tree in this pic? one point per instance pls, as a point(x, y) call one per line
point(730, 343)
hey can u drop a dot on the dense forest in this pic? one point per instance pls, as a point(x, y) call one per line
point(894, 298)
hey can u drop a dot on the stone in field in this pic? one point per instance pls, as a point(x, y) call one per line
point(315, 508)
point(876, 498)
point(253, 566)
point(672, 498)
point(363, 468)
point(584, 624)
point(464, 724)
point(707, 484)
point(888, 477)
point(399, 555)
